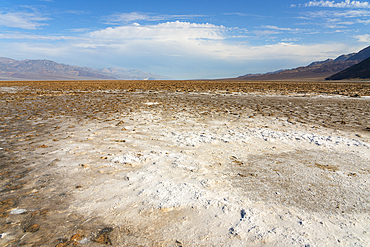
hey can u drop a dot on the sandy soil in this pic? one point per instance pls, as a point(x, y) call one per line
point(184, 164)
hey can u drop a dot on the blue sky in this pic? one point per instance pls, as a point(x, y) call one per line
point(183, 39)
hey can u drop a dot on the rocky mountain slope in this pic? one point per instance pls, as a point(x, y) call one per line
point(11, 69)
point(361, 55)
point(314, 71)
point(360, 70)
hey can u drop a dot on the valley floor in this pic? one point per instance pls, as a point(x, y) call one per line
point(93, 165)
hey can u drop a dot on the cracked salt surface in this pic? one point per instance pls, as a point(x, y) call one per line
point(193, 170)
point(303, 136)
point(194, 176)
point(11, 89)
point(206, 137)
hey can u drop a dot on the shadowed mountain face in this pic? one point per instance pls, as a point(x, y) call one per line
point(11, 69)
point(360, 70)
point(316, 70)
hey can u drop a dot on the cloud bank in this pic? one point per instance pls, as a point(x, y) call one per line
point(182, 43)
point(185, 39)
point(343, 4)
point(168, 31)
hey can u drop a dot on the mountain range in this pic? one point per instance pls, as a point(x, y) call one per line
point(346, 66)
point(11, 69)
point(360, 70)
point(318, 70)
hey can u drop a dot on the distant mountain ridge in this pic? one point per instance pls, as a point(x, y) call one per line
point(11, 69)
point(315, 70)
point(360, 70)
point(344, 57)
point(361, 55)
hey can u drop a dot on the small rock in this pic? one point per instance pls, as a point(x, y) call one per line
point(32, 228)
point(77, 237)
point(62, 243)
point(18, 211)
point(54, 162)
point(83, 241)
point(120, 140)
point(120, 122)
point(84, 165)
point(44, 212)
point(103, 236)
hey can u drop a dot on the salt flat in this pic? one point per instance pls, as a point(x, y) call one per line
point(156, 167)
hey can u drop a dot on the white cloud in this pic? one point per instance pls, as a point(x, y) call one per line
point(337, 14)
point(290, 39)
point(22, 20)
point(246, 14)
point(346, 22)
point(343, 4)
point(364, 21)
point(19, 36)
point(177, 31)
point(76, 12)
point(285, 50)
point(352, 14)
point(363, 38)
point(181, 38)
point(272, 30)
point(80, 30)
point(125, 18)
point(186, 39)
point(338, 19)
point(155, 52)
point(161, 40)
point(260, 33)
point(281, 28)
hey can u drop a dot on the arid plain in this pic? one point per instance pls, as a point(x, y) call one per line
point(184, 163)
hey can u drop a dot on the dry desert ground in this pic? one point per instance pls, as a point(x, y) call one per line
point(184, 163)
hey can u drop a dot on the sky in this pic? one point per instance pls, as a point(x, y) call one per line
point(190, 39)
